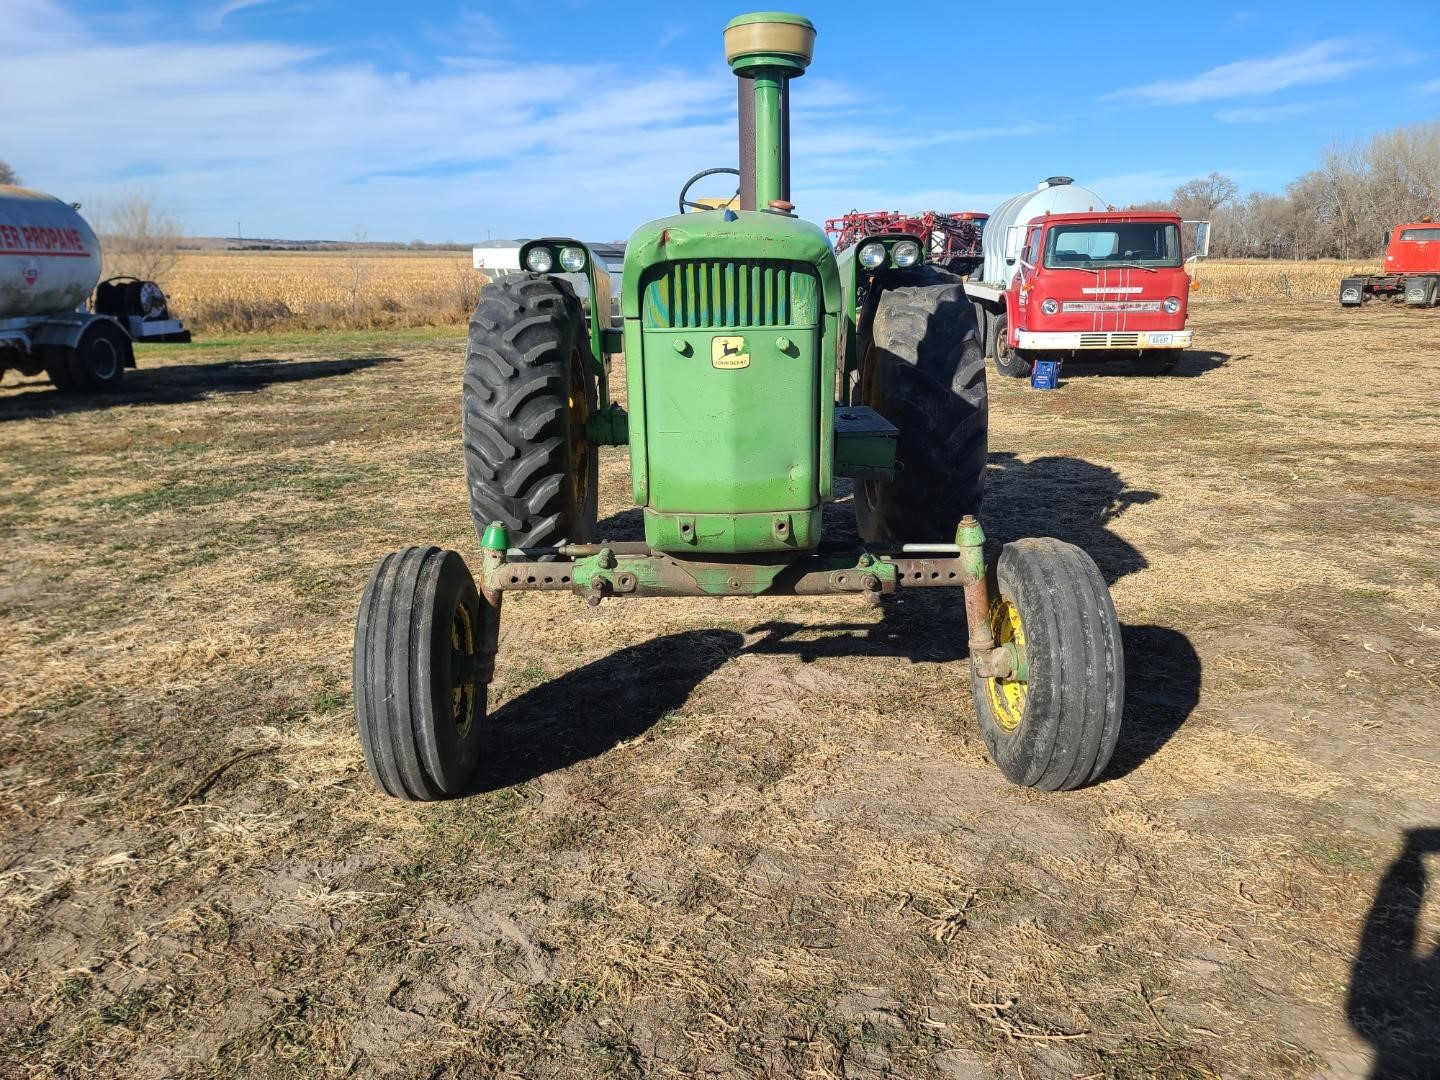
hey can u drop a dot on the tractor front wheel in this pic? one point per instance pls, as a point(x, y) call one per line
point(1008, 361)
point(424, 648)
point(923, 369)
point(1054, 723)
point(530, 387)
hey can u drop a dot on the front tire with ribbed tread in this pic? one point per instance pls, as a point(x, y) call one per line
point(529, 384)
point(425, 644)
point(1061, 732)
point(924, 371)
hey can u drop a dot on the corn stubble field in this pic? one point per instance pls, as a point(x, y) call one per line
point(721, 838)
point(243, 292)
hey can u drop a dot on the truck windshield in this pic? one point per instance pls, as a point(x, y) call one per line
point(1420, 234)
point(1102, 244)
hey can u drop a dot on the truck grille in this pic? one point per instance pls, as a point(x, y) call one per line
point(705, 293)
point(1109, 341)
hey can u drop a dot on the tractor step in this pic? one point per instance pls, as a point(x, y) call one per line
point(864, 444)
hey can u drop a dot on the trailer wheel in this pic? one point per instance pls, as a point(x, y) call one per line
point(923, 369)
point(56, 360)
point(424, 649)
point(100, 360)
point(1008, 361)
point(1055, 725)
point(529, 389)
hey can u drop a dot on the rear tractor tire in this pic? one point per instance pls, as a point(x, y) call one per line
point(530, 386)
point(1014, 363)
point(1055, 725)
point(425, 646)
point(923, 369)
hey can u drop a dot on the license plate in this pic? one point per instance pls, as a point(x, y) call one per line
point(1159, 339)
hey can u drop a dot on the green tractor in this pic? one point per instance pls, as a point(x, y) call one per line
point(760, 369)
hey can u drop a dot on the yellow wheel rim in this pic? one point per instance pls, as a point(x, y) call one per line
point(462, 640)
point(579, 418)
point(1007, 696)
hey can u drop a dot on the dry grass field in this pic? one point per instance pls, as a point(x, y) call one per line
point(243, 291)
point(723, 838)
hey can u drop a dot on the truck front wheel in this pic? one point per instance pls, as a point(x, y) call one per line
point(1008, 361)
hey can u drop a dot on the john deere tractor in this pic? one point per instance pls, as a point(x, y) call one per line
point(760, 370)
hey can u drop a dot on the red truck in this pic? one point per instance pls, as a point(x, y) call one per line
point(1412, 269)
point(1065, 276)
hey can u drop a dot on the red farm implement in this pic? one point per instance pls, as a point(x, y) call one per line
point(951, 240)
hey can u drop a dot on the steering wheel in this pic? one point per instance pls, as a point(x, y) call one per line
point(684, 202)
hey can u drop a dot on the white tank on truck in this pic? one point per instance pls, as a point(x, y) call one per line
point(1055, 195)
point(49, 255)
point(50, 264)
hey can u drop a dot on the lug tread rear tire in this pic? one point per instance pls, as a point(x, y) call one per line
point(1076, 690)
point(515, 413)
point(930, 383)
point(402, 686)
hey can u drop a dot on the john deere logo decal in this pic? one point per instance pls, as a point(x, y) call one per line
point(729, 353)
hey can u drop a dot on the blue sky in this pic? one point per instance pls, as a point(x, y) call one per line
point(456, 121)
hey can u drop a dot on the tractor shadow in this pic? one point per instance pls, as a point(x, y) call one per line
point(587, 711)
point(178, 384)
point(1195, 363)
point(1394, 996)
point(1068, 498)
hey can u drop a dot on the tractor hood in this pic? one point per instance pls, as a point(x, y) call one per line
point(747, 236)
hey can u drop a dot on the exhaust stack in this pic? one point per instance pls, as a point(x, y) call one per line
point(766, 50)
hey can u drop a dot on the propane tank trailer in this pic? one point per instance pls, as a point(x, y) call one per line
point(49, 266)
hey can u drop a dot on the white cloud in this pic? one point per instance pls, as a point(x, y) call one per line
point(1431, 87)
point(297, 142)
point(215, 19)
point(1324, 61)
point(1266, 114)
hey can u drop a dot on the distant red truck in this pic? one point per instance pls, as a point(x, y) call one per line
point(1412, 269)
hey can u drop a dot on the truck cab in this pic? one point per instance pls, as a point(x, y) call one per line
point(1411, 273)
point(1099, 283)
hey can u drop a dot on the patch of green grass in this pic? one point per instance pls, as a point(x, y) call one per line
point(74, 989)
point(551, 1004)
point(1336, 853)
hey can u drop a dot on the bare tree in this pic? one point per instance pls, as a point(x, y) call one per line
point(7, 174)
point(139, 239)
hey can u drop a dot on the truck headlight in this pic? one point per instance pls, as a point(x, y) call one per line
point(905, 253)
point(572, 259)
point(539, 260)
point(871, 256)
point(1049, 307)
point(1172, 304)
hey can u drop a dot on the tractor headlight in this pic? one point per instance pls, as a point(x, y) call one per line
point(1172, 304)
point(572, 259)
point(539, 260)
point(871, 256)
point(1049, 307)
point(905, 253)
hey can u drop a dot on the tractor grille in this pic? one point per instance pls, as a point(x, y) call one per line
point(706, 293)
point(1109, 341)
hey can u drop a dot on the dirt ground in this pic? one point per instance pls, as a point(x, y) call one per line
point(724, 838)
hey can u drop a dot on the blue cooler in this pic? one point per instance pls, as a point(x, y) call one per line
point(1046, 375)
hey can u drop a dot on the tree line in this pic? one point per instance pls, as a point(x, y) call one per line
point(1343, 208)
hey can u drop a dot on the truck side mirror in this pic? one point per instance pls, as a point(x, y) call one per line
point(1202, 239)
point(1012, 243)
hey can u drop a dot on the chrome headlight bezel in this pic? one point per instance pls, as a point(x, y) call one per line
point(871, 255)
point(905, 253)
point(1050, 306)
point(1171, 305)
